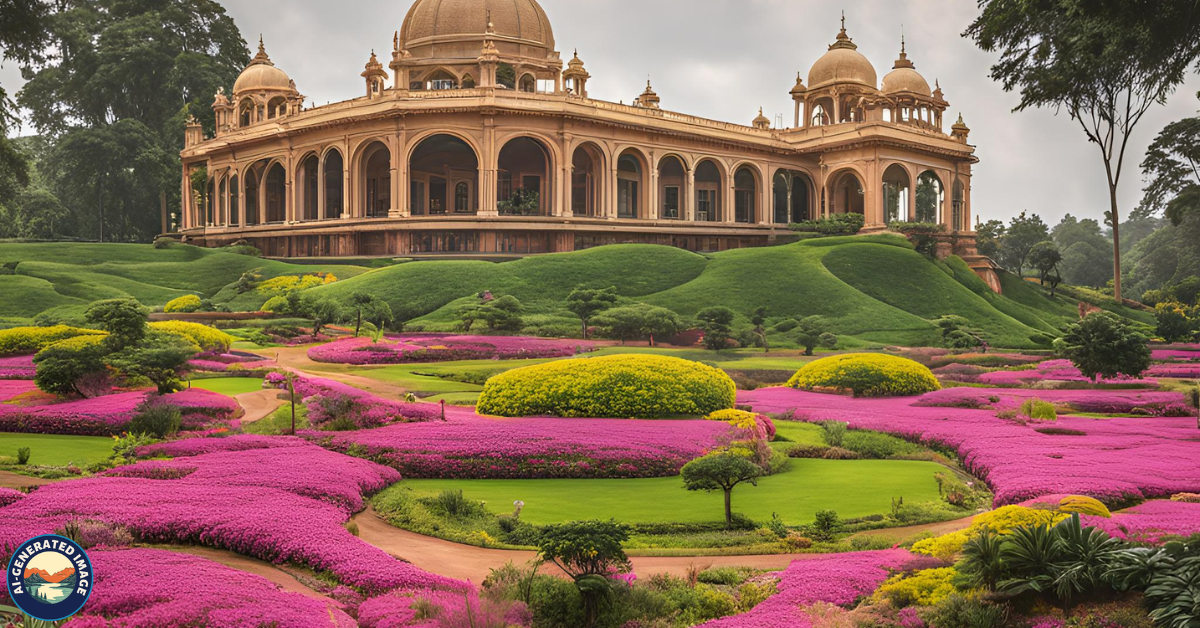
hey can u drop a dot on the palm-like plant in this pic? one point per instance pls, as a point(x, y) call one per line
point(1084, 556)
point(1174, 596)
point(1029, 554)
point(981, 563)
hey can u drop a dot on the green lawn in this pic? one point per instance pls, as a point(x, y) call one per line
point(790, 433)
point(51, 450)
point(229, 386)
point(854, 488)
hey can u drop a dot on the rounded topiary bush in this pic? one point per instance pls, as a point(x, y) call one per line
point(616, 386)
point(867, 375)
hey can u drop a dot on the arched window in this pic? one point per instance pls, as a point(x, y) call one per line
point(233, 201)
point(848, 195)
point(629, 185)
point(311, 176)
point(222, 206)
point(780, 196)
point(930, 197)
point(585, 173)
point(819, 117)
point(462, 198)
point(895, 194)
point(377, 180)
point(246, 113)
point(745, 200)
point(523, 178)
point(276, 187)
point(528, 84)
point(437, 168)
point(468, 81)
point(441, 80)
point(671, 177)
point(800, 198)
point(335, 203)
point(276, 108)
point(708, 192)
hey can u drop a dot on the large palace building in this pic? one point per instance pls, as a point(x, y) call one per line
point(486, 143)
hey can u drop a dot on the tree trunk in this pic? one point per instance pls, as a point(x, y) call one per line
point(728, 508)
point(584, 321)
point(357, 323)
point(1116, 227)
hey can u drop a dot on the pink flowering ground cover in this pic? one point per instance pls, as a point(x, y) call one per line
point(836, 579)
point(1168, 355)
point(1110, 459)
point(1185, 370)
point(147, 587)
point(17, 367)
point(470, 446)
point(411, 348)
point(10, 388)
point(325, 397)
point(1055, 370)
point(1147, 522)
point(395, 610)
point(107, 415)
point(1144, 402)
point(254, 503)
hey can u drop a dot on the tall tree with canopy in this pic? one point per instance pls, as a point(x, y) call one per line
point(1106, 62)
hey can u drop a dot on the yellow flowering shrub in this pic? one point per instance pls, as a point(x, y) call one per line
point(27, 340)
point(615, 386)
point(927, 587)
point(1084, 505)
point(867, 375)
point(208, 338)
point(999, 521)
point(737, 418)
point(185, 303)
point(279, 286)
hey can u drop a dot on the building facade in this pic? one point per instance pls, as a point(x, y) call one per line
point(486, 143)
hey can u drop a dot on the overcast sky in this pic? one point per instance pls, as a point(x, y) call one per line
point(723, 59)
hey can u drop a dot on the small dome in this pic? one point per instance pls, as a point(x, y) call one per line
point(842, 64)
point(463, 23)
point(262, 75)
point(905, 78)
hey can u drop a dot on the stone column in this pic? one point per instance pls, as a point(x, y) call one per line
point(688, 212)
point(766, 205)
point(654, 211)
point(729, 200)
point(610, 211)
point(401, 199)
point(490, 171)
point(347, 179)
point(241, 195)
point(567, 177)
point(321, 186)
point(291, 212)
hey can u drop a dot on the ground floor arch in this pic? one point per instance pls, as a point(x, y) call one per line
point(309, 177)
point(846, 194)
point(672, 185)
point(631, 185)
point(930, 198)
point(443, 173)
point(523, 185)
point(376, 180)
point(897, 192)
point(791, 200)
point(334, 173)
point(709, 180)
point(745, 194)
point(587, 168)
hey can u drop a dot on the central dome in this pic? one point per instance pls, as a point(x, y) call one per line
point(433, 22)
point(842, 64)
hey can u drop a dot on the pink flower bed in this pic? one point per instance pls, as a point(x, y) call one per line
point(394, 610)
point(836, 579)
point(146, 587)
point(10, 496)
point(107, 415)
point(1175, 355)
point(365, 409)
point(1149, 403)
point(198, 446)
point(10, 388)
point(470, 446)
point(1111, 459)
point(1151, 521)
point(17, 367)
point(255, 503)
point(1177, 371)
point(1057, 370)
point(443, 348)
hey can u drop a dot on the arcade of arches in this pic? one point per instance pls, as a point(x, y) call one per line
point(482, 141)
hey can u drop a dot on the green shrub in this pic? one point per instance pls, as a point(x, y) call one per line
point(834, 431)
point(837, 224)
point(879, 446)
point(27, 340)
point(867, 375)
point(1040, 410)
point(207, 338)
point(618, 386)
point(159, 420)
point(23, 454)
point(183, 304)
point(454, 505)
point(728, 576)
point(961, 612)
point(62, 365)
point(826, 525)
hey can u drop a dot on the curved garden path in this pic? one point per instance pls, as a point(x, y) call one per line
point(8, 479)
point(279, 577)
point(259, 404)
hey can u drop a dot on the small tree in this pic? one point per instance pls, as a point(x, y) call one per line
point(589, 552)
point(320, 312)
point(641, 320)
point(123, 319)
point(1044, 257)
point(160, 357)
point(720, 471)
point(1105, 345)
point(813, 333)
point(62, 365)
point(759, 320)
point(586, 303)
point(503, 314)
point(1024, 232)
point(1176, 321)
point(468, 314)
point(717, 323)
point(958, 334)
point(370, 308)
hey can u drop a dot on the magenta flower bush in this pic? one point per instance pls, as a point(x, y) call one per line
point(254, 502)
point(836, 579)
point(146, 587)
point(326, 399)
point(1179, 371)
point(1159, 355)
point(452, 608)
point(13, 387)
point(107, 415)
point(17, 367)
point(1102, 402)
point(410, 348)
point(1150, 521)
point(198, 446)
point(10, 496)
point(470, 446)
point(1112, 459)
point(1056, 370)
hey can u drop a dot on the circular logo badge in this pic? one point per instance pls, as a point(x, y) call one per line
point(49, 577)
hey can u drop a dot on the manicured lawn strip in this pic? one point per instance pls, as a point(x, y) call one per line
point(52, 450)
point(798, 433)
point(854, 488)
point(228, 386)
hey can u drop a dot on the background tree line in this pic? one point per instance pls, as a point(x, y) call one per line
point(110, 85)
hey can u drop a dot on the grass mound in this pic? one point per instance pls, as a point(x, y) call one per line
point(867, 375)
point(617, 386)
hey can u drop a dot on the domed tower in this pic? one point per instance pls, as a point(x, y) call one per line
point(439, 46)
point(264, 92)
point(840, 84)
point(908, 97)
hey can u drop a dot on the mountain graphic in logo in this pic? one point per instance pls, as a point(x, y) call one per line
point(39, 576)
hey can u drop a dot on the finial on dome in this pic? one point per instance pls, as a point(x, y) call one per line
point(396, 41)
point(843, 20)
point(843, 40)
point(261, 57)
point(491, 28)
point(902, 61)
point(261, 47)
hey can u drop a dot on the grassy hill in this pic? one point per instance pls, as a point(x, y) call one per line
point(872, 289)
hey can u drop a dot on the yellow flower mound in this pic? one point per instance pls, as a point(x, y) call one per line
point(27, 340)
point(207, 338)
point(927, 587)
point(999, 521)
point(737, 418)
point(185, 303)
point(867, 375)
point(279, 286)
point(615, 386)
point(1084, 506)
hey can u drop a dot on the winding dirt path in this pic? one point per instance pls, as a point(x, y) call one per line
point(8, 479)
point(296, 358)
point(259, 404)
point(279, 577)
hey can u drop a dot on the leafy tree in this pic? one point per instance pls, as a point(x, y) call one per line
point(468, 314)
point(586, 303)
point(1172, 166)
point(63, 365)
point(813, 332)
point(589, 552)
point(1105, 345)
point(720, 471)
point(759, 319)
point(1105, 63)
point(1045, 258)
point(717, 323)
point(370, 308)
point(638, 321)
point(1177, 322)
point(159, 357)
point(503, 314)
point(1167, 257)
point(1086, 253)
point(1023, 233)
point(23, 37)
point(988, 236)
point(957, 333)
point(38, 214)
point(14, 177)
point(320, 312)
point(123, 319)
